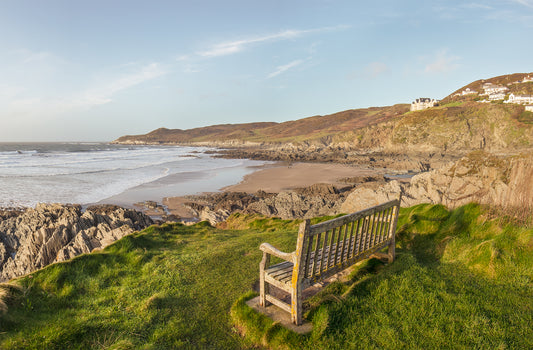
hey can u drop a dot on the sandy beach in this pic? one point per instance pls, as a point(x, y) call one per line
point(275, 178)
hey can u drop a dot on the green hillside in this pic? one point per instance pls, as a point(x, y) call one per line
point(305, 129)
point(456, 127)
point(458, 124)
point(462, 279)
point(508, 80)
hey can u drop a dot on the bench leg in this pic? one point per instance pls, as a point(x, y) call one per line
point(392, 250)
point(296, 306)
point(263, 291)
point(263, 286)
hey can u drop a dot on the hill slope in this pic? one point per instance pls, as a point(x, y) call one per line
point(459, 124)
point(298, 130)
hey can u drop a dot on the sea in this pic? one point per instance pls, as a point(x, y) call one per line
point(87, 173)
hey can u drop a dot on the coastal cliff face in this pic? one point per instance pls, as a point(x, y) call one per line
point(499, 181)
point(34, 238)
point(478, 177)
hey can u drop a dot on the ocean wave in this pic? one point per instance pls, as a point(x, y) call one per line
point(66, 176)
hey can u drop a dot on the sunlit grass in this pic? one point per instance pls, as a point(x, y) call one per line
point(461, 280)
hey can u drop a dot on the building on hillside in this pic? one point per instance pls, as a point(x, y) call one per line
point(423, 103)
point(527, 79)
point(529, 108)
point(497, 96)
point(466, 91)
point(520, 99)
point(494, 89)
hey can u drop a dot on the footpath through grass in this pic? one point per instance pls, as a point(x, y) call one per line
point(461, 280)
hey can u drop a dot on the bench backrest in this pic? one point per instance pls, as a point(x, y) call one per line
point(331, 246)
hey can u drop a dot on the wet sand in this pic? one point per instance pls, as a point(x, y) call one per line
point(282, 178)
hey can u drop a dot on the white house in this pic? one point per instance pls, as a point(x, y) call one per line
point(468, 91)
point(494, 89)
point(423, 103)
point(527, 79)
point(520, 99)
point(529, 108)
point(497, 96)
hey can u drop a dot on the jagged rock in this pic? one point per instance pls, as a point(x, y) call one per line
point(308, 202)
point(55, 232)
point(214, 216)
point(317, 190)
point(291, 205)
point(365, 197)
point(479, 177)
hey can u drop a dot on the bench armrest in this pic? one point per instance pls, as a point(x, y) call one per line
point(269, 249)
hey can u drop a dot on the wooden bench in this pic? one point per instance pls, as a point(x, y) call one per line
point(325, 249)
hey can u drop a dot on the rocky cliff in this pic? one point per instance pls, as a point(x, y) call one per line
point(34, 238)
point(495, 180)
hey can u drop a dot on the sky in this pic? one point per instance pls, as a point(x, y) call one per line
point(73, 70)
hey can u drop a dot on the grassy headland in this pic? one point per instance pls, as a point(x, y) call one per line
point(462, 279)
point(458, 125)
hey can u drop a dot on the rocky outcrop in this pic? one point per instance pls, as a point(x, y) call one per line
point(54, 232)
point(479, 177)
point(342, 154)
point(304, 203)
point(308, 202)
point(368, 196)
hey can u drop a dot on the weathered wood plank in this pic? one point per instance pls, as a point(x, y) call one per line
point(281, 285)
point(282, 305)
point(325, 249)
point(308, 259)
point(330, 224)
point(315, 258)
point(281, 266)
point(346, 228)
point(352, 239)
point(379, 224)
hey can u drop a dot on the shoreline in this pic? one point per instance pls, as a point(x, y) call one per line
point(276, 178)
point(301, 174)
point(153, 198)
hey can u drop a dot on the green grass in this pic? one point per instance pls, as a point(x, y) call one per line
point(461, 280)
point(526, 117)
point(452, 104)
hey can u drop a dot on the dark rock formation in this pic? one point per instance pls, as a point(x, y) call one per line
point(307, 202)
point(51, 233)
point(414, 162)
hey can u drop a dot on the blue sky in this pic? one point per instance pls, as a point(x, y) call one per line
point(96, 70)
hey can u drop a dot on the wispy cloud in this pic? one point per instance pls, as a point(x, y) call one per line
point(370, 71)
point(84, 98)
point(28, 56)
point(476, 6)
point(104, 93)
point(528, 3)
point(284, 68)
point(441, 62)
point(232, 47)
point(375, 69)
